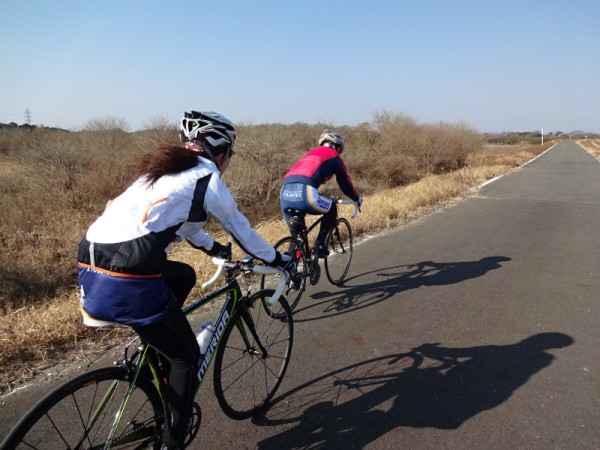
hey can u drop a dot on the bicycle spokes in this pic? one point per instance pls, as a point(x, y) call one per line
point(252, 359)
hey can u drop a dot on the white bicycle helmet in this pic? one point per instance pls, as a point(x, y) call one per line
point(213, 130)
point(333, 140)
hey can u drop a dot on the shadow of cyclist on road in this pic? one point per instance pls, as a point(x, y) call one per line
point(354, 406)
point(430, 273)
point(393, 280)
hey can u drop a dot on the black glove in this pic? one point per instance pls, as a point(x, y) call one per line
point(220, 251)
point(282, 262)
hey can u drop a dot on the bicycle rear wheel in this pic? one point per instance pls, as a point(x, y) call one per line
point(297, 285)
point(245, 379)
point(81, 413)
point(339, 244)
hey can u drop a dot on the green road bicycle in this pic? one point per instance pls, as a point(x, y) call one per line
point(121, 407)
point(305, 263)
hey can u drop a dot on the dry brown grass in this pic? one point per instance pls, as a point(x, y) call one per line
point(34, 336)
point(592, 146)
point(59, 182)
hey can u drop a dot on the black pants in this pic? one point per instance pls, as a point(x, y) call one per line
point(296, 222)
point(176, 341)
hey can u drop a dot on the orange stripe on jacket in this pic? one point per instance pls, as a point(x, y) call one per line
point(118, 274)
point(150, 207)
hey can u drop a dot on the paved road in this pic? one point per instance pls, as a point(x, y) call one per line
point(500, 295)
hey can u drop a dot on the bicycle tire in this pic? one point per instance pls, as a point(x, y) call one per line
point(339, 245)
point(60, 419)
point(244, 381)
point(293, 247)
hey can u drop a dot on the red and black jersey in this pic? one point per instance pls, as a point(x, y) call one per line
point(317, 167)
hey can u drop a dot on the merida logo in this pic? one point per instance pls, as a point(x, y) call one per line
point(213, 344)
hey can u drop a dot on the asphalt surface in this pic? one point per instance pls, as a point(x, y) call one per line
point(499, 295)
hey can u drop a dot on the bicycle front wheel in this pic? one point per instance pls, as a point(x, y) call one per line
point(245, 376)
point(293, 247)
point(339, 244)
point(82, 414)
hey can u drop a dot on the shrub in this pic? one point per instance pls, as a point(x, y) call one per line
point(55, 182)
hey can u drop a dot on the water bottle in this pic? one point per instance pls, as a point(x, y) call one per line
point(204, 336)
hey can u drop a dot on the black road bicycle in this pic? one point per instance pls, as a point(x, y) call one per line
point(121, 407)
point(305, 262)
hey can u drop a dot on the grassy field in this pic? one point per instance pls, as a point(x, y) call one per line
point(592, 146)
point(36, 333)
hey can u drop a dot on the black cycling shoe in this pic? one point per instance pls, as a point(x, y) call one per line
point(192, 430)
point(193, 424)
point(296, 283)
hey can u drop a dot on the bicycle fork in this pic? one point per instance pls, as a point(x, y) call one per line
point(246, 323)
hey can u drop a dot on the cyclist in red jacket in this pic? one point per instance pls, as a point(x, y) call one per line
point(300, 195)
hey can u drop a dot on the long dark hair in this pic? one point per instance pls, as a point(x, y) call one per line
point(165, 160)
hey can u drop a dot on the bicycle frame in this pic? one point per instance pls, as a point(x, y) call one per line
point(303, 235)
point(134, 363)
point(233, 293)
point(141, 375)
point(144, 354)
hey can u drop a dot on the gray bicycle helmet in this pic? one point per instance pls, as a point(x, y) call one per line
point(333, 140)
point(213, 130)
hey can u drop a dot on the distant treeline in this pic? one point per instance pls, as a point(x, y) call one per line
point(54, 182)
point(27, 126)
point(505, 137)
point(533, 137)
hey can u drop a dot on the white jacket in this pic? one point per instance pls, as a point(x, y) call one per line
point(145, 219)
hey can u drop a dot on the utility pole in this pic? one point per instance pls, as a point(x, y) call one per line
point(28, 116)
point(542, 134)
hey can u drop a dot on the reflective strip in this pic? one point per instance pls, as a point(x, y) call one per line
point(91, 322)
point(92, 257)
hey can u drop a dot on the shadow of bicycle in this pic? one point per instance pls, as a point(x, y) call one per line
point(355, 293)
point(431, 386)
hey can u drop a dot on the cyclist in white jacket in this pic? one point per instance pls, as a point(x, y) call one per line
point(124, 274)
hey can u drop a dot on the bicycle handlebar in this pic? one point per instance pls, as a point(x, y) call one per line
point(340, 201)
point(254, 268)
point(220, 263)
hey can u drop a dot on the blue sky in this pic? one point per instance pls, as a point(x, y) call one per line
point(505, 65)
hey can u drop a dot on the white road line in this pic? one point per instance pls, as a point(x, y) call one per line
point(491, 180)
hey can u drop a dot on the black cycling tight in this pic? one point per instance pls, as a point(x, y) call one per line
point(296, 222)
point(175, 340)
